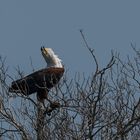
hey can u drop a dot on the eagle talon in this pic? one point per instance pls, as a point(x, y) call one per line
point(55, 105)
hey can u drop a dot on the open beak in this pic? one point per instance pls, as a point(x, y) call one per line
point(44, 50)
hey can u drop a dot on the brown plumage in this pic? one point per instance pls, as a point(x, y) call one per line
point(40, 81)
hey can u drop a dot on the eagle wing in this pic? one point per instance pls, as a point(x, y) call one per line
point(44, 79)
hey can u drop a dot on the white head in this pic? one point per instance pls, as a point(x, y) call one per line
point(51, 59)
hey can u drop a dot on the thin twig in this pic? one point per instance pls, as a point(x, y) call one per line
point(90, 50)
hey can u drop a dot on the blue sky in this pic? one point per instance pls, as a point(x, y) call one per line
point(27, 25)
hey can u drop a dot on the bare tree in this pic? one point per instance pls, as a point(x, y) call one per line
point(103, 106)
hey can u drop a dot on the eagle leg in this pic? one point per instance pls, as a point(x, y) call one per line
point(42, 94)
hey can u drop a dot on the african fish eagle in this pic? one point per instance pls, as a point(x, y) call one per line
point(43, 80)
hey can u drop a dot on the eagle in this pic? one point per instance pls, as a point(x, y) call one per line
point(41, 81)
